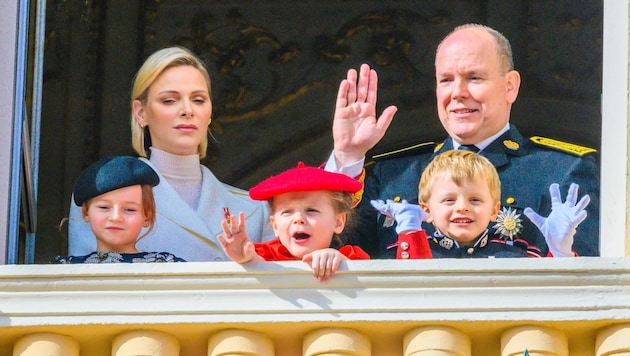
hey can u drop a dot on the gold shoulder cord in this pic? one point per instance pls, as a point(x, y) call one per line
point(562, 146)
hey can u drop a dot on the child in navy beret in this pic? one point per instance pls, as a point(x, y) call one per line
point(309, 209)
point(116, 198)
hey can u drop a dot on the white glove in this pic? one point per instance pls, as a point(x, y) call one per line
point(408, 216)
point(559, 227)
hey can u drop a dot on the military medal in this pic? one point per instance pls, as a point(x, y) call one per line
point(508, 224)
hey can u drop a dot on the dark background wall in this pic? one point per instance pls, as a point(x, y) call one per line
point(275, 67)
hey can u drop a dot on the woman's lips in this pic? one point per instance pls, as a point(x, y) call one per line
point(186, 127)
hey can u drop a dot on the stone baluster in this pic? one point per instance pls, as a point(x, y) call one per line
point(436, 341)
point(49, 344)
point(613, 341)
point(145, 343)
point(537, 340)
point(336, 342)
point(231, 342)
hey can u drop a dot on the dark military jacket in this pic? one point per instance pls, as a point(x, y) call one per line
point(526, 168)
point(485, 247)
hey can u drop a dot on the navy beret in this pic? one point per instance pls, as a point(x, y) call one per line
point(304, 179)
point(110, 174)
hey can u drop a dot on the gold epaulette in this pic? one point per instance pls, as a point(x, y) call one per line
point(356, 197)
point(562, 146)
point(405, 150)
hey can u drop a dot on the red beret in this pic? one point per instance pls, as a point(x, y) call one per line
point(303, 179)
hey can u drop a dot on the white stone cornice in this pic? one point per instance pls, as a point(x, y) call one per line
point(384, 290)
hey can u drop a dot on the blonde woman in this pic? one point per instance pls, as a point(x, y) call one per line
point(171, 109)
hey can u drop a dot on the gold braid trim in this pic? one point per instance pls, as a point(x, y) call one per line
point(356, 197)
point(562, 146)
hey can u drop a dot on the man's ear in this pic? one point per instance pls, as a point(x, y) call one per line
point(512, 85)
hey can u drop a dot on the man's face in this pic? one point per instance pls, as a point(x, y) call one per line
point(474, 95)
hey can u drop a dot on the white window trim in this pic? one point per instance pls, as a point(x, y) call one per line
point(8, 44)
point(614, 149)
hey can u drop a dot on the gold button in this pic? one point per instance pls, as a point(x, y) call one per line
point(510, 200)
point(397, 199)
point(404, 255)
point(404, 245)
point(470, 250)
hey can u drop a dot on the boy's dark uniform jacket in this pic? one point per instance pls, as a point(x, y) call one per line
point(526, 168)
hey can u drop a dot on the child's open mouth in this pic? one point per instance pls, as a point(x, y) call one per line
point(301, 236)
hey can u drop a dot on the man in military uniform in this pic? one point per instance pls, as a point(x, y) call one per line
point(476, 85)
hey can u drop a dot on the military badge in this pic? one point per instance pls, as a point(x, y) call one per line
point(508, 224)
point(446, 243)
point(511, 145)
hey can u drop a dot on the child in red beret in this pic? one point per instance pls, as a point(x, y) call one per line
point(309, 209)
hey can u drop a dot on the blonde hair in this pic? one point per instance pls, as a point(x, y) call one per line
point(148, 73)
point(459, 165)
